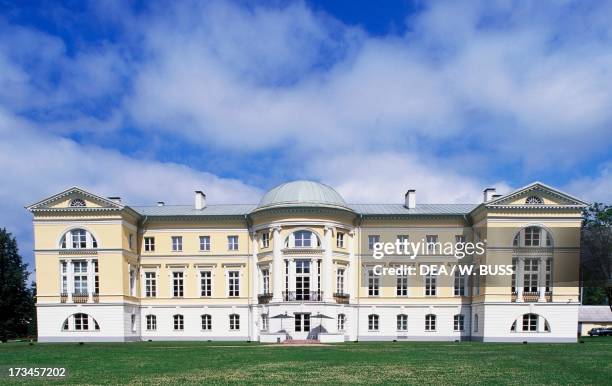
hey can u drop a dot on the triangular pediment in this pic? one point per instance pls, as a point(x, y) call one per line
point(75, 198)
point(536, 194)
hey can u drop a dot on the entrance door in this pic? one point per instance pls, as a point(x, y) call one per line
point(302, 325)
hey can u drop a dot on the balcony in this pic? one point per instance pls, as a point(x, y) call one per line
point(312, 296)
point(63, 297)
point(341, 297)
point(531, 297)
point(80, 297)
point(264, 298)
point(514, 296)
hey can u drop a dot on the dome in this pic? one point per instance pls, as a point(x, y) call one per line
point(302, 193)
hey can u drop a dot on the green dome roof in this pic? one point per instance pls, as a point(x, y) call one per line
point(302, 193)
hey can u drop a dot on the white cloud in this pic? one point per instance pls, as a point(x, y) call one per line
point(594, 189)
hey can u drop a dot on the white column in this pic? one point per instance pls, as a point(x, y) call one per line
point(254, 269)
point(541, 279)
point(327, 266)
point(278, 268)
point(70, 276)
point(519, 278)
point(90, 280)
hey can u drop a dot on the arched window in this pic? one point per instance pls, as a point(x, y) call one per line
point(78, 239)
point(234, 320)
point(77, 202)
point(373, 322)
point(341, 322)
point(151, 322)
point(534, 200)
point(303, 239)
point(530, 322)
point(533, 236)
point(430, 322)
point(402, 322)
point(206, 322)
point(80, 322)
point(179, 324)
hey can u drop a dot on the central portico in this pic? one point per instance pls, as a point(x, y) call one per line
point(310, 251)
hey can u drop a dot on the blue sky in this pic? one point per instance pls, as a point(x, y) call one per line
point(152, 100)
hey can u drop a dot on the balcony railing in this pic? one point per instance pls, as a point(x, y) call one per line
point(63, 297)
point(264, 298)
point(80, 297)
point(341, 297)
point(531, 296)
point(514, 296)
point(548, 296)
point(293, 296)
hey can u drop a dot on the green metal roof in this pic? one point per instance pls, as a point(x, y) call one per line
point(302, 193)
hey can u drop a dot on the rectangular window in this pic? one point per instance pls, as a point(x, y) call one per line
point(430, 285)
point(458, 322)
point(177, 284)
point(206, 322)
point(430, 322)
point(302, 322)
point(401, 285)
point(151, 323)
point(133, 321)
point(234, 322)
point(373, 322)
point(373, 239)
point(403, 238)
point(205, 283)
point(80, 277)
point(179, 323)
point(530, 278)
point(340, 240)
point(341, 322)
point(340, 281)
point(265, 240)
point(96, 278)
point(150, 284)
point(131, 241)
point(460, 285)
point(513, 289)
point(234, 283)
point(265, 277)
point(149, 244)
point(460, 239)
point(177, 243)
point(432, 241)
point(302, 239)
point(548, 278)
point(302, 279)
point(232, 243)
point(64, 276)
point(204, 243)
point(402, 322)
point(373, 283)
point(264, 322)
point(79, 238)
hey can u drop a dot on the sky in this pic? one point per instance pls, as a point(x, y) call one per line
point(151, 100)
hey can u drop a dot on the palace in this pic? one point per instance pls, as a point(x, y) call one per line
point(299, 265)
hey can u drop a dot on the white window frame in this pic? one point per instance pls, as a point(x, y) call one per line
point(401, 285)
point(177, 243)
point(178, 322)
point(459, 285)
point(204, 243)
point(150, 284)
point(232, 243)
point(149, 244)
point(206, 322)
point(431, 321)
point(373, 283)
point(233, 283)
point(373, 322)
point(180, 287)
point(401, 322)
point(340, 280)
point(458, 322)
point(234, 322)
point(151, 322)
point(341, 322)
point(340, 240)
point(373, 239)
point(431, 241)
point(206, 283)
point(431, 285)
point(265, 240)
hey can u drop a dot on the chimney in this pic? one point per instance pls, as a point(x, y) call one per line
point(488, 194)
point(410, 199)
point(115, 199)
point(496, 196)
point(200, 200)
point(160, 203)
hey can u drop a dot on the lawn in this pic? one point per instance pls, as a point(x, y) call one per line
point(252, 363)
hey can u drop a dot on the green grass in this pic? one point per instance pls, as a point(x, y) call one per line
point(252, 363)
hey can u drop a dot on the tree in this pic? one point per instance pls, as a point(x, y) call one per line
point(596, 253)
point(16, 301)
